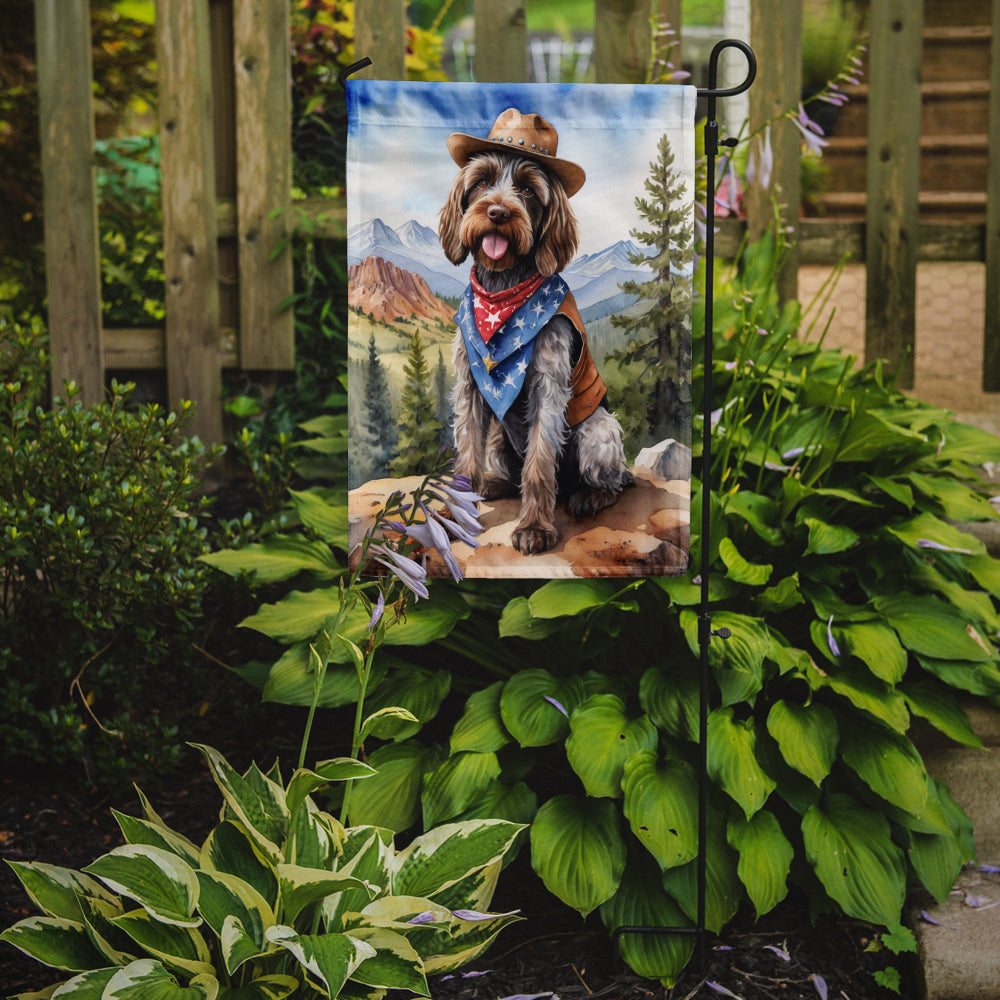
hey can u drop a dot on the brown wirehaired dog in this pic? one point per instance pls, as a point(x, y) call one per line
point(530, 407)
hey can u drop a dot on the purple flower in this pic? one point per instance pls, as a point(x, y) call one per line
point(475, 915)
point(780, 952)
point(431, 535)
point(927, 543)
point(834, 648)
point(820, 983)
point(427, 917)
point(462, 534)
point(377, 612)
point(719, 988)
point(811, 132)
point(412, 575)
point(761, 163)
point(558, 705)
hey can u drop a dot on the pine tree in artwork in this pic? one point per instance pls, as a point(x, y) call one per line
point(657, 401)
point(418, 430)
point(377, 440)
point(442, 412)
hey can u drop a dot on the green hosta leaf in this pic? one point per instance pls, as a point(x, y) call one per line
point(417, 690)
point(180, 948)
point(141, 831)
point(54, 941)
point(732, 760)
point(931, 628)
point(517, 620)
point(850, 848)
point(957, 501)
point(274, 987)
point(291, 680)
point(661, 798)
point(723, 889)
point(528, 710)
point(870, 436)
point(560, 598)
point(578, 851)
point(783, 595)
point(391, 798)
point(230, 849)
point(738, 569)
point(765, 858)
point(225, 897)
point(828, 539)
point(301, 887)
point(442, 857)
point(330, 959)
point(671, 699)
point(937, 859)
point(481, 728)
point(159, 881)
point(147, 979)
point(760, 512)
point(327, 520)
point(876, 646)
point(602, 738)
point(941, 709)
point(976, 678)
point(260, 809)
point(395, 964)
point(516, 803)
point(965, 443)
point(985, 570)
point(456, 784)
point(807, 736)
point(927, 528)
point(279, 558)
point(975, 605)
point(56, 891)
point(866, 692)
point(641, 901)
point(888, 763)
point(738, 661)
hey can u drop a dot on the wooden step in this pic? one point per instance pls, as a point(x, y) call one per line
point(947, 163)
point(958, 206)
point(956, 53)
point(945, 12)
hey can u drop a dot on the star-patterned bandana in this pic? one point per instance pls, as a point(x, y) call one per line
point(493, 309)
point(499, 360)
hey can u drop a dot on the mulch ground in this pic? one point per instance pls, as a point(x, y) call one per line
point(551, 953)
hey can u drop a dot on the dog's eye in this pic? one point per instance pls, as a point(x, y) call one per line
point(526, 192)
point(482, 185)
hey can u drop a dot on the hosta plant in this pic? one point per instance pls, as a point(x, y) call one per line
point(279, 900)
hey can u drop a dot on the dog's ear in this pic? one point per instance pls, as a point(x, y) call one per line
point(449, 226)
point(559, 235)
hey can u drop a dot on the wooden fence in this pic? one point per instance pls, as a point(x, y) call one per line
point(226, 160)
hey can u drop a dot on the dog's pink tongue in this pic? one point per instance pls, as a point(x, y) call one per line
point(494, 246)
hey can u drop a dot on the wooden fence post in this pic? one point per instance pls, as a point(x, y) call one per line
point(380, 34)
point(621, 40)
point(190, 251)
point(72, 254)
point(776, 34)
point(501, 39)
point(262, 61)
point(991, 333)
point(893, 183)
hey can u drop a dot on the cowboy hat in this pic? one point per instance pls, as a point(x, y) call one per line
point(528, 135)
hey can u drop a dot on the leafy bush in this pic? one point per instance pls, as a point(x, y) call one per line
point(279, 899)
point(99, 541)
point(854, 605)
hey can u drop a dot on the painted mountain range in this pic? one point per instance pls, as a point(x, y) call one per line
point(387, 292)
point(593, 278)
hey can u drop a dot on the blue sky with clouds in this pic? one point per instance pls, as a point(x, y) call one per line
point(399, 167)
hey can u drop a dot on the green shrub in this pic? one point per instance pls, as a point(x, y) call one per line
point(99, 546)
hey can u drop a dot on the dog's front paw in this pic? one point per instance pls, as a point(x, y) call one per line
point(530, 539)
point(590, 500)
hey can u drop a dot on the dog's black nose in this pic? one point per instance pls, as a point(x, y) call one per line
point(498, 213)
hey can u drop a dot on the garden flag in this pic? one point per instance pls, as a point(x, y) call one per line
point(519, 291)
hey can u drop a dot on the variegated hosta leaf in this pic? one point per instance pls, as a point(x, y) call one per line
point(456, 784)
point(141, 831)
point(328, 959)
point(225, 897)
point(481, 727)
point(54, 941)
point(230, 849)
point(476, 890)
point(116, 947)
point(723, 889)
point(56, 891)
point(642, 902)
point(441, 857)
point(275, 987)
point(177, 947)
point(147, 979)
point(807, 736)
point(732, 760)
point(602, 737)
point(304, 782)
point(419, 691)
point(315, 838)
point(256, 801)
point(535, 706)
point(86, 986)
point(578, 851)
point(158, 880)
point(395, 964)
point(301, 887)
point(850, 847)
point(468, 939)
point(765, 858)
point(367, 853)
point(661, 805)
